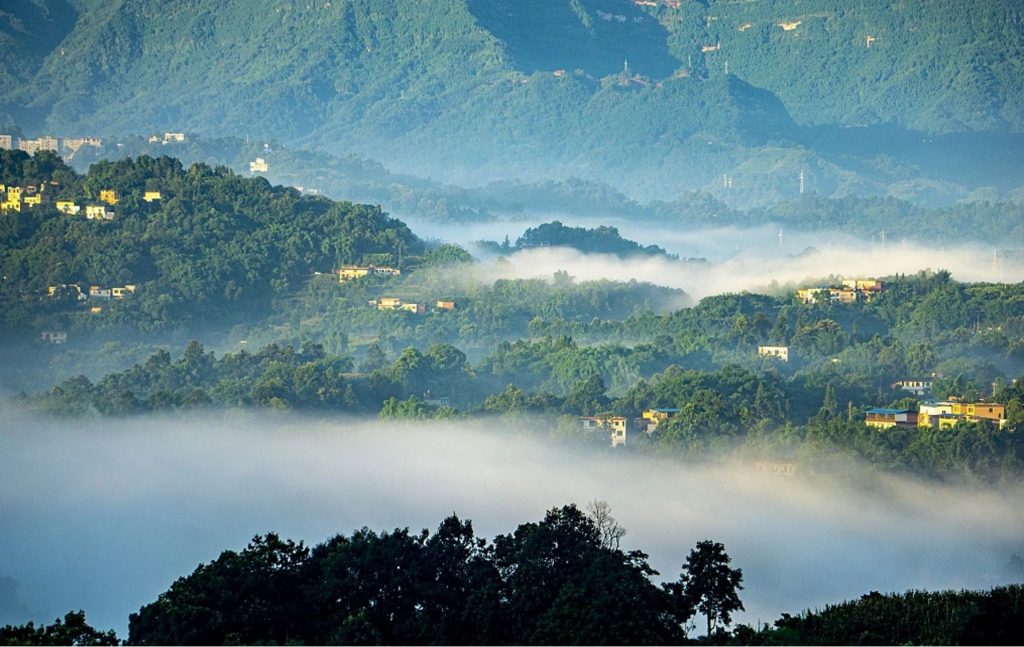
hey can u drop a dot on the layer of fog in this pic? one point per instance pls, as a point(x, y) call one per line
point(755, 259)
point(105, 515)
point(754, 273)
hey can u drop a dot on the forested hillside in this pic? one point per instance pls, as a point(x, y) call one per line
point(936, 66)
point(211, 249)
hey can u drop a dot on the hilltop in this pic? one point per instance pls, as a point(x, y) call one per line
point(167, 247)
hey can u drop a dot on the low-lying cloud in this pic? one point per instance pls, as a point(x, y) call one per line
point(105, 515)
point(752, 258)
point(756, 271)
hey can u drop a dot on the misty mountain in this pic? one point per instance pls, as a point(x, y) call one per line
point(634, 95)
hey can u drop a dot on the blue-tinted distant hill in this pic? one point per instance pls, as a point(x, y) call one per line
point(479, 89)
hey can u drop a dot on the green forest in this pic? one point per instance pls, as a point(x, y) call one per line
point(251, 269)
point(562, 580)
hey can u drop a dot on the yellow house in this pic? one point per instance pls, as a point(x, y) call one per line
point(843, 294)
point(656, 416)
point(777, 352)
point(445, 305)
point(51, 290)
point(977, 411)
point(947, 413)
point(98, 212)
point(68, 207)
point(349, 272)
point(811, 295)
point(387, 303)
point(33, 200)
point(13, 201)
point(617, 425)
point(120, 293)
point(109, 196)
point(95, 310)
point(150, 196)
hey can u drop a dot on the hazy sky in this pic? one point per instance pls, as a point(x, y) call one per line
point(104, 515)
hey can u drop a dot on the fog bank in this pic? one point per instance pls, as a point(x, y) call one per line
point(762, 271)
point(105, 515)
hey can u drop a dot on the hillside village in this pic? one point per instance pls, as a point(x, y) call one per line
point(30, 196)
point(929, 414)
point(67, 146)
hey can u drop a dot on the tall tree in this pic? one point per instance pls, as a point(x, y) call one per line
point(710, 584)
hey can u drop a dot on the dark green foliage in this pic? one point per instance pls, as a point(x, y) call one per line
point(601, 240)
point(993, 617)
point(72, 630)
point(711, 585)
point(548, 583)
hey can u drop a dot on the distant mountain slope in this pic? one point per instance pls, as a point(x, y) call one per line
point(30, 30)
point(600, 37)
point(471, 90)
point(277, 69)
point(935, 65)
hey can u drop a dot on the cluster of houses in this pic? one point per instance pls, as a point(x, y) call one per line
point(351, 272)
point(75, 291)
point(934, 414)
point(780, 353)
point(83, 297)
point(168, 138)
point(348, 273)
point(619, 426)
point(395, 303)
point(66, 146)
point(15, 198)
point(937, 414)
point(850, 291)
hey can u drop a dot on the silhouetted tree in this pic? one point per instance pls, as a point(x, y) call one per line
point(710, 584)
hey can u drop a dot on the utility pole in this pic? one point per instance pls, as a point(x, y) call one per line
point(801, 181)
point(780, 239)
